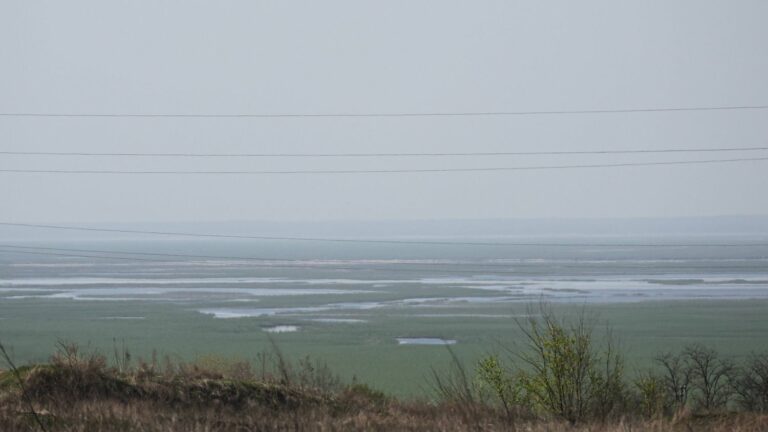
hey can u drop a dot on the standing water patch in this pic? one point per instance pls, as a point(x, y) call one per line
point(425, 341)
point(282, 329)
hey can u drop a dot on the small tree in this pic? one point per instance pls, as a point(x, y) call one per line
point(751, 386)
point(492, 376)
point(676, 376)
point(567, 374)
point(607, 379)
point(711, 376)
point(653, 396)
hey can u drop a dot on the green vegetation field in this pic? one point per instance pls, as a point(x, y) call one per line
point(368, 351)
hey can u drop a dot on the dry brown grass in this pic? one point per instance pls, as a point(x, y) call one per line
point(79, 391)
point(83, 397)
point(103, 415)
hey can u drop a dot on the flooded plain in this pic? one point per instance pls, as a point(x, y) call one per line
point(400, 307)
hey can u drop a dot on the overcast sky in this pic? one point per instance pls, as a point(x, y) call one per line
point(233, 57)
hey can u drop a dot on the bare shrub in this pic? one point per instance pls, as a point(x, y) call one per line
point(121, 356)
point(711, 377)
point(71, 355)
point(281, 364)
point(317, 375)
point(676, 375)
point(457, 391)
point(751, 386)
point(609, 392)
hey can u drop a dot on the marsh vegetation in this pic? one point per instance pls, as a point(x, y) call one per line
point(569, 373)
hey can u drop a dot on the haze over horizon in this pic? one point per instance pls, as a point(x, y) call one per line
point(351, 57)
point(736, 227)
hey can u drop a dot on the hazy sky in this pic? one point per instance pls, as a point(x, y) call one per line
point(183, 56)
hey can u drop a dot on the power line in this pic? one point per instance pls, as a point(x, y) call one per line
point(36, 250)
point(78, 256)
point(375, 241)
point(167, 255)
point(297, 263)
point(225, 257)
point(399, 270)
point(329, 155)
point(391, 114)
point(387, 171)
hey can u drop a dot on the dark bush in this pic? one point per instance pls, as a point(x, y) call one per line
point(711, 377)
point(676, 376)
point(751, 386)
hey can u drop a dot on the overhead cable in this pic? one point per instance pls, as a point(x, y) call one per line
point(62, 114)
point(383, 171)
point(373, 241)
point(364, 155)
